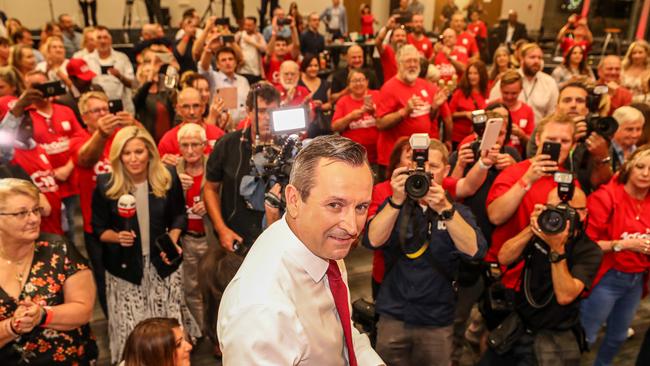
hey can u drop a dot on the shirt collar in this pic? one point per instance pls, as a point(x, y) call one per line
point(618, 149)
point(225, 77)
point(302, 256)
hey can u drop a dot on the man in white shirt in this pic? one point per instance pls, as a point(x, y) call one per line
point(288, 304)
point(252, 46)
point(113, 69)
point(539, 89)
point(225, 78)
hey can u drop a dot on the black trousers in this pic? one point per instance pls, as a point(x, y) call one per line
point(264, 9)
point(154, 12)
point(94, 249)
point(89, 10)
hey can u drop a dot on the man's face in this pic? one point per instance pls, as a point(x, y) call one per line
point(189, 106)
point(4, 52)
point(191, 148)
point(457, 23)
point(573, 102)
point(279, 13)
point(314, 22)
point(512, 17)
point(95, 109)
point(418, 24)
point(510, 93)
point(289, 76)
point(334, 213)
point(104, 40)
point(249, 26)
point(610, 70)
point(66, 23)
point(355, 57)
point(264, 116)
point(409, 67)
point(449, 38)
point(533, 61)
point(280, 48)
point(557, 132)
point(629, 133)
point(226, 63)
point(436, 166)
point(398, 39)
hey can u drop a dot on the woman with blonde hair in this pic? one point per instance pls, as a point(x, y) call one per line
point(88, 43)
point(141, 280)
point(500, 64)
point(22, 58)
point(55, 62)
point(636, 66)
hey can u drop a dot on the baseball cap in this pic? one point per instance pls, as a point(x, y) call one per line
point(77, 67)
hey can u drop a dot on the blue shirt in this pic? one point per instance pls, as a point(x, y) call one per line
point(412, 290)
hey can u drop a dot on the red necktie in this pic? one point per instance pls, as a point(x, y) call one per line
point(340, 293)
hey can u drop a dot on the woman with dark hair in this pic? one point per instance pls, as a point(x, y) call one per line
point(10, 82)
point(471, 95)
point(295, 13)
point(619, 222)
point(22, 58)
point(574, 68)
point(319, 89)
point(157, 342)
point(645, 110)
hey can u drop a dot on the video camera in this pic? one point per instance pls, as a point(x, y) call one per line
point(418, 182)
point(554, 219)
point(604, 126)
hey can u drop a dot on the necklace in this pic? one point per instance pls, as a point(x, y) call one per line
point(20, 264)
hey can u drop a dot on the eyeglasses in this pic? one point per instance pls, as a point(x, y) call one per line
point(188, 107)
point(21, 215)
point(192, 145)
point(98, 110)
point(357, 80)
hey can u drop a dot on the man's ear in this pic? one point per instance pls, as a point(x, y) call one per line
point(292, 197)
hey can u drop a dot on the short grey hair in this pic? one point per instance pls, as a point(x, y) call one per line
point(407, 49)
point(627, 114)
point(337, 148)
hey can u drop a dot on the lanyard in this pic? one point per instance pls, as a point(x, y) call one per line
point(530, 93)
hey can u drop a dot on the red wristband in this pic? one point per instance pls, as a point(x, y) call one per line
point(48, 316)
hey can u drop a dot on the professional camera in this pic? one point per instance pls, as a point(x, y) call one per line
point(604, 126)
point(479, 119)
point(284, 21)
point(418, 182)
point(554, 219)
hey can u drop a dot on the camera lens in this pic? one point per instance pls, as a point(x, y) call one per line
point(552, 221)
point(417, 185)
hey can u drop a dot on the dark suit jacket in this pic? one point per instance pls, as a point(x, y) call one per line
point(502, 31)
point(164, 214)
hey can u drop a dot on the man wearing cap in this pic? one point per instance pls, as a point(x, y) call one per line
point(80, 75)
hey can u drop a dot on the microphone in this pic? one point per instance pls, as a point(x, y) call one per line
point(126, 210)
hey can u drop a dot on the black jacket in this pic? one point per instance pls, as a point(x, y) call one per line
point(519, 33)
point(164, 214)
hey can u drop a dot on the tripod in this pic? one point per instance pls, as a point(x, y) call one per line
point(209, 12)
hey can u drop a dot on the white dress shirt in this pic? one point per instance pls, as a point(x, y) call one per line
point(540, 92)
point(279, 310)
point(218, 80)
point(112, 86)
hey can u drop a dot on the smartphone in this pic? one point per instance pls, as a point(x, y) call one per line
point(552, 149)
point(229, 96)
point(228, 38)
point(367, 100)
point(491, 133)
point(165, 244)
point(51, 89)
point(115, 106)
point(105, 69)
point(222, 21)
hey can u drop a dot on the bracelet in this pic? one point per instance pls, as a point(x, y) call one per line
point(523, 184)
point(11, 329)
point(47, 318)
point(483, 166)
point(393, 204)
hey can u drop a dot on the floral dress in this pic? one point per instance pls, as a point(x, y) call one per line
point(54, 261)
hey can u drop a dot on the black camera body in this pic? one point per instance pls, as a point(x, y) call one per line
point(419, 180)
point(554, 219)
point(604, 126)
point(284, 21)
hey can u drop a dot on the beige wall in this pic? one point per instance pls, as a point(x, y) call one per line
point(529, 12)
point(34, 13)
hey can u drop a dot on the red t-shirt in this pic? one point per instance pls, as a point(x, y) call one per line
point(461, 103)
point(394, 95)
point(388, 62)
point(380, 192)
point(524, 117)
point(87, 177)
point(243, 123)
point(366, 25)
point(272, 66)
point(478, 29)
point(467, 44)
point(447, 70)
point(36, 163)
point(298, 96)
point(621, 97)
point(53, 134)
point(192, 196)
point(169, 143)
point(521, 218)
point(362, 130)
point(423, 45)
point(613, 216)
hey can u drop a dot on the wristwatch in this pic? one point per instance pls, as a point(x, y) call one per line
point(555, 257)
point(446, 215)
point(617, 247)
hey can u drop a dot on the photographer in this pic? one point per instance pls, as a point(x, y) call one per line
point(620, 224)
point(560, 263)
point(421, 234)
point(516, 191)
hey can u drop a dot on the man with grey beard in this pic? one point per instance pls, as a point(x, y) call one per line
point(388, 51)
point(291, 94)
point(406, 104)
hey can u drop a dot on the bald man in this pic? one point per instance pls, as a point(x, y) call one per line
point(291, 94)
point(609, 73)
point(355, 60)
point(190, 108)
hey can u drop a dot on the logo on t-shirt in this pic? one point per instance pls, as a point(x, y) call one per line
point(44, 180)
point(57, 147)
point(102, 167)
point(364, 122)
point(642, 236)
